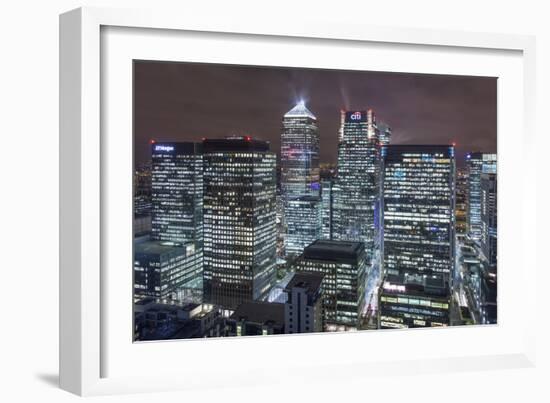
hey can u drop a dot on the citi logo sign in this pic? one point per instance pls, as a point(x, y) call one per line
point(164, 148)
point(355, 116)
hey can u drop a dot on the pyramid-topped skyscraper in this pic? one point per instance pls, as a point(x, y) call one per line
point(300, 171)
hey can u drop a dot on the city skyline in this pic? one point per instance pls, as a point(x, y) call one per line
point(230, 240)
point(190, 101)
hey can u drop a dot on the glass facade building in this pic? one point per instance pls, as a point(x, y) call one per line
point(489, 218)
point(478, 164)
point(239, 220)
point(176, 192)
point(326, 208)
point(385, 133)
point(414, 300)
point(418, 232)
point(299, 153)
point(304, 223)
point(162, 269)
point(299, 176)
point(418, 209)
point(344, 267)
point(357, 185)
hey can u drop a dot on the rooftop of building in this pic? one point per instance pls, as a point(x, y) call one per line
point(417, 284)
point(311, 282)
point(300, 111)
point(323, 249)
point(305, 198)
point(235, 143)
point(260, 312)
point(160, 248)
point(396, 150)
point(176, 148)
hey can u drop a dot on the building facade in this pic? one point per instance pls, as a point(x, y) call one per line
point(488, 239)
point(419, 209)
point(344, 267)
point(176, 192)
point(418, 234)
point(478, 163)
point(414, 300)
point(304, 225)
point(239, 220)
point(304, 303)
point(461, 204)
point(326, 208)
point(299, 153)
point(162, 269)
point(357, 186)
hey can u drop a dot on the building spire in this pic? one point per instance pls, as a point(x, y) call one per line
point(300, 110)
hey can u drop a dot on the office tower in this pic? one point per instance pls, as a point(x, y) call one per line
point(326, 208)
point(385, 133)
point(176, 192)
point(304, 303)
point(489, 218)
point(357, 184)
point(461, 204)
point(344, 267)
point(419, 203)
point(239, 220)
point(414, 300)
point(418, 218)
point(162, 268)
point(303, 222)
point(478, 163)
point(299, 153)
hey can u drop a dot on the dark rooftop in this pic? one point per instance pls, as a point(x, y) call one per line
point(322, 249)
point(396, 151)
point(311, 282)
point(159, 248)
point(260, 312)
point(242, 143)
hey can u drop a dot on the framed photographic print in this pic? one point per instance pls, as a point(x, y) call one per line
point(244, 192)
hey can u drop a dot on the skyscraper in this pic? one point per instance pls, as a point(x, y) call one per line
point(419, 204)
point(304, 225)
point(489, 219)
point(478, 164)
point(299, 176)
point(357, 184)
point(419, 234)
point(326, 208)
point(239, 220)
point(176, 192)
point(344, 267)
point(385, 133)
point(299, 153)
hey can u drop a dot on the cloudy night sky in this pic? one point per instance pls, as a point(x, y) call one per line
point(189, 101)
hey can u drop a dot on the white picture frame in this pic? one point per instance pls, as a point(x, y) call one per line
point(87, 334)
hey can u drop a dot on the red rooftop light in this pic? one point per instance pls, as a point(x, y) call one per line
point(152, 141)
point(247, 138)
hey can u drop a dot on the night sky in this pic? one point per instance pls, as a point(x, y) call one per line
point(189, 101)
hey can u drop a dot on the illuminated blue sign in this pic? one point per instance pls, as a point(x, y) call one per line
point(160, 147)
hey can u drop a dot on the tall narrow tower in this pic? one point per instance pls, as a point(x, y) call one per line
point(356, 189)
point(300, 178)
